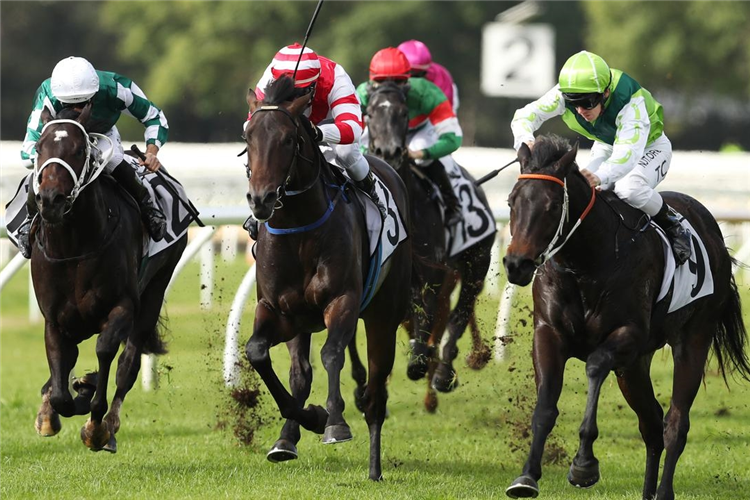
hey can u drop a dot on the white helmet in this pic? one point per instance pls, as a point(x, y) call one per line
point(74, 80)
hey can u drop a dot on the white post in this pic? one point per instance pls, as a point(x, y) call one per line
point(503, 320)
point(493, 274)
point(207, 275)
point(231, 342)
point(229, 238)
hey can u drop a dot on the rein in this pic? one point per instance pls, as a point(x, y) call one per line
point(86, 177)
point(551, 250)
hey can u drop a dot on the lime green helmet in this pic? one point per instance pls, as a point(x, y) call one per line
point(584, 73)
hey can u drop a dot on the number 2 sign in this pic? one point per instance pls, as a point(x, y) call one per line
point(518, 60)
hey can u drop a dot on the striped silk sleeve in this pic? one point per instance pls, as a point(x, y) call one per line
point(346, 111)
point(138, 106)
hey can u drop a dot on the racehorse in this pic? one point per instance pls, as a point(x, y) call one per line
point(599, 270)
point(388, 126)
point(85, 266)
point(312, 260)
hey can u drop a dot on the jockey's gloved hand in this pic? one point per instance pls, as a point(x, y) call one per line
point(317, 133)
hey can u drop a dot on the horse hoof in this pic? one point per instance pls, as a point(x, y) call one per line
point(444, 383)
point(583, 477)
point(47, 425)
point(282, 451)
point(111, 446)
point(321, 418)
point(431, 402)
point(95, 437)
point(523, 487)
point(86, 383)
point(416, 369)
point(338, 433)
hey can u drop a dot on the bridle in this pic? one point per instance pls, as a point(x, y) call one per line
point(87, 175)
point(299, 141)
point(551, 250)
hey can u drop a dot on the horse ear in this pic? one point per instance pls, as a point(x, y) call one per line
point(524, 155)
point(252, 100)
point(46, 116)
point(568, 158)
point(299, 104)
point(83, 118)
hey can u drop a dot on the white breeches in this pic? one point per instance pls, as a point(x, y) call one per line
point(637, 187)
point(118, 154)
point(351, 158)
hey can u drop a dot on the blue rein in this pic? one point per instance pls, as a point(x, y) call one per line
point(314, 225)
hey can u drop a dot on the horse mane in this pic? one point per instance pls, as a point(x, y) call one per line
point(547, 150)
point(282, 90)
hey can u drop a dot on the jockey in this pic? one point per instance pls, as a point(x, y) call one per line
point(631, 154)
point(433, 127)
point(75, 82)
point(423, 66)
point(334, 97)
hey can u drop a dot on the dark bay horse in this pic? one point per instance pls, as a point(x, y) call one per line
point(388, 126)
point(311, 276)
point(599, 269)
point(85, 268)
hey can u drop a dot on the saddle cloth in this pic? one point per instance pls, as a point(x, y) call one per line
point(693, 279)
point(178, 218)
point(388, 233)
point(478, 221)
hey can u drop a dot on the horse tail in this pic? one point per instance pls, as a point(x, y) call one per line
point(730, 340)
point(154, 342)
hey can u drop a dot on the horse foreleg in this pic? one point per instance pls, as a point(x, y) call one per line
point(446, 379)
point(61, 358)
point(689, 364)
point(635, 384)
point(359, 374)
point(96, 433)
point(340, 318)
point(268, 328)
point(300, 382)
point(619, 349)
point(549, 359)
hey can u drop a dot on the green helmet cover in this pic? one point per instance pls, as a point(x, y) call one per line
point(583, 73)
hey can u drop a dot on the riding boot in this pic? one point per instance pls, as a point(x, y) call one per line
point(368, 186)
point(251, 226)
point(669, 220)
point(437, 174)
point(24, 230)
point(152, 216)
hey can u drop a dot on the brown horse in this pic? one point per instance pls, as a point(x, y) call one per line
point(85, 268)
point(599, 268)
point(312, 261)
point(438, 273)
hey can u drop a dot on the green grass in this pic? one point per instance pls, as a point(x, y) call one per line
point(178, 441)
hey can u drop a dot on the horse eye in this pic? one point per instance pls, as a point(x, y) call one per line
point(80, 152)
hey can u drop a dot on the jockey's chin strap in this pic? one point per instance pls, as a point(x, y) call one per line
point(281, 190)
point(551, 250)
point(87, 176)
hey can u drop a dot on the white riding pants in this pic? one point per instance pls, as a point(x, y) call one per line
point(351, 158)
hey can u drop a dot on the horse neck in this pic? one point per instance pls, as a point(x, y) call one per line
point(593, 243)
point(82, 229)
point(304, 208)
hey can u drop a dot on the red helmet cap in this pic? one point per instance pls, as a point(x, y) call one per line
point(285, 61)
point(389, 63)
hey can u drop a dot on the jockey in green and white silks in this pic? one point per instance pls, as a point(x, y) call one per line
point(74, 83)
point(434, 131)
point(631, 154)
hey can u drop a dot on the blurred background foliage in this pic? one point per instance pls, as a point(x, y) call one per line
point(196, 59)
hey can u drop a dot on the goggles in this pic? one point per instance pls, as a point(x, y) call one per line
point(585, 101)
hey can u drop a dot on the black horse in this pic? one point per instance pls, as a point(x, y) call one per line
point(599, 269)
point(438, 273)
point(312, 276)
point(85, 266)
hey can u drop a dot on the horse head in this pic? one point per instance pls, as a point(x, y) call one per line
point(275, 138)
point(63, 157)
point(388, 123)
point(539, 206)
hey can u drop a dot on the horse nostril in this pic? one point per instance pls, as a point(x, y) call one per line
point(269, 198)
point(379, 152)
point(58, 199)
